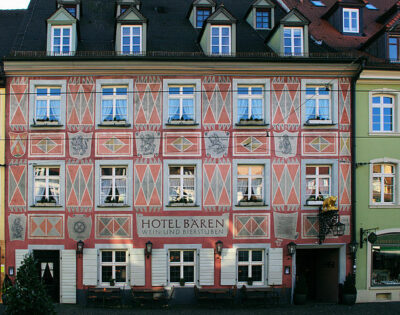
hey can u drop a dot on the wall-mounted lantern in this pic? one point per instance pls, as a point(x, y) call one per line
point(79, 247)
point(353, 247)
point(291, 248)
point(149, 248)
point(218, 247)
point(367, 235)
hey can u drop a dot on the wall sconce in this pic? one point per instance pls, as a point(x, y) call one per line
point(353, 247)
point(218, 247)
point(149, 248)
point(79, 247)
point(329, 222)
point(291, 248)
point(11, 271)
point(367, 235)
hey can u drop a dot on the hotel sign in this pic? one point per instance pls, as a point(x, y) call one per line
point(182, 226)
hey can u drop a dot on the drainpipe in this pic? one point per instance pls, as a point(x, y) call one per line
point(353, 158)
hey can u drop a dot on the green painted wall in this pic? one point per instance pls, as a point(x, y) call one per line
point(370, 147)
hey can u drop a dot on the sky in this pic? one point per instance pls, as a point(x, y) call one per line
point(14, 4)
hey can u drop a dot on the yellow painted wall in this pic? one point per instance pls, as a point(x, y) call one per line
point(2, 183)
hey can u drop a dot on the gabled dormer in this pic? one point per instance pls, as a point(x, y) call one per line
point(261, 15)
point(218, 36)
point(61, 33)
point(130, 38)
point(124, 5)
point(347, 16)
point(200, 10)
point(290, 36)
point(72, 6)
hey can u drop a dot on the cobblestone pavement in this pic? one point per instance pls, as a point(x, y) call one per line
point(362, 309)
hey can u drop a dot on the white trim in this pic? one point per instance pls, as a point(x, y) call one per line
point(131, 52)
point(292, 45)
point(62, 28)
point(32, 247)
point(395, 112)
point(220, 45)
point(113, 246)
point(351, 29)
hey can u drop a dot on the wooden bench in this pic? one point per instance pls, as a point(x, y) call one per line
point(263, 296)
point(211, 295)
point(144, 297)
point(104, 297)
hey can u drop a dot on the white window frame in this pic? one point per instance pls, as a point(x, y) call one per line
point(128, 83)
point(196, 83)
point(292, 46)
point(113, 178)
point(114, 264)
point(250, 263)
point(31, 180)
point(181, 96)
point(334, 189)
point(318, 177)
point(382, 106)
point(197, 185)
point(128, 164)
point(250, 97)
point(181, 176)
point(265, 204)
point(250, 177)
point(48, 98)
point(181, 264)
point(318, 97)
point(131, 36)
point(382, 176)
point(333, 103)
point(350, 29)
point(62, 28)
point(220, 45)
point(114, 97)
point(47, 177)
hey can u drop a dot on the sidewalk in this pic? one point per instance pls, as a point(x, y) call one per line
point(361, 309)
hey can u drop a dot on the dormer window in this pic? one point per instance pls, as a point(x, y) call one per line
point(293, 41)
point(202, 13)
point(131, 39)
point(72, 6)
point(71, 9)
point(220, 40)
point(350, 20)
point(124, 8)
point(394, 48)
point(61, 40)
point(263, 17)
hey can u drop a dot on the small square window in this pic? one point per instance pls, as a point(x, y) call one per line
point(71, 9)
point(131, 39)
point(250, 266)
point(221, 40)
point(201, 15)
point(293, 41)
point(263, 18)
point(61, 40)
point(350, 20)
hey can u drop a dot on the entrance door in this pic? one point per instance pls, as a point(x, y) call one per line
point(49, 270)
point(321, 270)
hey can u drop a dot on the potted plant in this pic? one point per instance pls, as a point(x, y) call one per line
point(182, 282)
point(315, 200)
point(250, 281)
point(300, 291)
point(349, 290)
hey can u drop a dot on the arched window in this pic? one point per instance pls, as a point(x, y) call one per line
point(382, 113)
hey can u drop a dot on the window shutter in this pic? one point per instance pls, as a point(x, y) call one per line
point(228, 266)
point(19, 258)
point(207, 266)
point(159, 267)
point(90, 266)
point(275, 266)
point(68, 276)
point(137, 265)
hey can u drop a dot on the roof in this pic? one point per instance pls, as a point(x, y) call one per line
point(10, 21)
point(168, 29)
point(321, 29)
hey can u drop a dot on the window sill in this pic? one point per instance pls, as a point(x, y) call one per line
point(113, 205)
point(384, 206)
point(383, 133)
point(178, 204)
point(384, 287)
point(47, 125)
point(314, 203)
point(46, 205)
point(114, 124)
point(251, 204)
point(251, 124)
point(319, 122)
point(182, 123)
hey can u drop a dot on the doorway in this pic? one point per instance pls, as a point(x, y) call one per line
point(320, 267)
point(49, 270)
